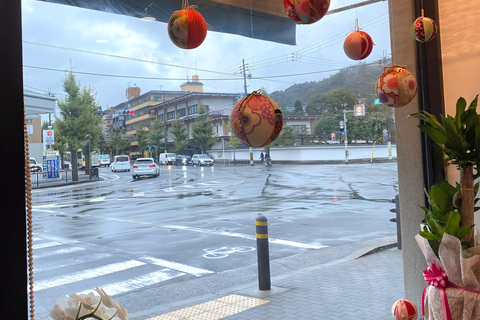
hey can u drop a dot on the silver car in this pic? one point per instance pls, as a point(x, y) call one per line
point(120, 163)
point(145, 167)
point(201, 160)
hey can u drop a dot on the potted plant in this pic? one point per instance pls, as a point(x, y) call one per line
point(447, 237)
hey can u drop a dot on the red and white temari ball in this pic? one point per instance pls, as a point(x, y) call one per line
point(256, 120)
point(358, 45)
point(404, 309)
point(187, 28)
point(424, 29)
point(306, 11)
point(396, 87)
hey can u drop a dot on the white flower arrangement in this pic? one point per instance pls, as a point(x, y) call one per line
point(89, 306)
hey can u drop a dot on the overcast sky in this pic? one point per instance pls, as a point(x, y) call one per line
point(53, 34)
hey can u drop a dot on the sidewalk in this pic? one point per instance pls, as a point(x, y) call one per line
point(361, 285)
point(65, 178)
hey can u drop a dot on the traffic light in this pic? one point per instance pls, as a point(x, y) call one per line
point(359, 110)
point(127, 112)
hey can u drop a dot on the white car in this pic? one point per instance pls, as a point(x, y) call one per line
point(201, 160)
point(35, 166)
point(167, 158)
point(104, 160)
point(120, 163)
point(145, 167)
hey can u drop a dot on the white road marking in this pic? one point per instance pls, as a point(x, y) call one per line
point(176, 266)
point(86, 274)
point(46, 245)
point(245, 236)
point(139, 282)
point(78, 260)
point(60, 251)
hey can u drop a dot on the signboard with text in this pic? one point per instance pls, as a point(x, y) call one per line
point(51, 160)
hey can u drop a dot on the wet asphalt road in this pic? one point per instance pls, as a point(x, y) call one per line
point(128, 235)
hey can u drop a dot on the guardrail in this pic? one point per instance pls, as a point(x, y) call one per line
point(64, 175)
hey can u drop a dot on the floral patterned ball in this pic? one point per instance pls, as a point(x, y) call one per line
point(404, 309)
point(424, 29)
point(256, 120)
point(396, 87)
point(358, 45)
point(306, 11)
point(187, 28)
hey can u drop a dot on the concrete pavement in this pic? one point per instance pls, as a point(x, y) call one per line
point(355, 281)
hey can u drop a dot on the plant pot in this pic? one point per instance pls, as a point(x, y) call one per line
point(457, 297)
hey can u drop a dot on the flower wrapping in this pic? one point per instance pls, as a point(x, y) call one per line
point(462, 267)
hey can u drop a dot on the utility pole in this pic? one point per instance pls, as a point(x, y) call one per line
point(345, 135)
point(245, 88)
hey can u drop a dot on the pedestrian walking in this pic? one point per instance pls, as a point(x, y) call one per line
point(261, 156)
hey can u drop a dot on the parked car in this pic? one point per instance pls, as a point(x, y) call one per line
point(145, 167)
point(120, 163)
point(182, 160)
point(201, 160)
point(35, 166)
point(104, 160)
point(167, 158)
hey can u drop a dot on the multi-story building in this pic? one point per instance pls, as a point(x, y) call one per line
point(168, 105)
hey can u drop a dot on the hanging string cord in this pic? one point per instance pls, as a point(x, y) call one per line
point(28, 196)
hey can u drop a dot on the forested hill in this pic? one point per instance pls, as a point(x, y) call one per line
point(359, 79)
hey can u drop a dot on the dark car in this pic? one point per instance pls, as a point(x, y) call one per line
point(182, 160)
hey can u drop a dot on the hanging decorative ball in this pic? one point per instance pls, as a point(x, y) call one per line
point(424, 29)
point(404, 309)
point(187, 28)
point(256, 120)
point(396, 86)
point(358, 45)
point(306, 11)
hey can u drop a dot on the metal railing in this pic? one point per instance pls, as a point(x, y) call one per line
point(61, 176)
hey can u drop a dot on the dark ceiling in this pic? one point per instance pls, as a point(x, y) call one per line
point(264, 19)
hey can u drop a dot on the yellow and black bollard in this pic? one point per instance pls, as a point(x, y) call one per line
point(263, 259)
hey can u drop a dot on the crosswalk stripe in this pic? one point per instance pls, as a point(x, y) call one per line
point(45, 245)
point(78, 260)
point(139, 282)
point(86, 274)
point(177, 266)
point(57, 252)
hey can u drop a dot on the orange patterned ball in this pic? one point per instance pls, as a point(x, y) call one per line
point(396, 87)
point(187, 28)
point(256, 120)
point(358, 45)
point(306, 11)
point(404, 309)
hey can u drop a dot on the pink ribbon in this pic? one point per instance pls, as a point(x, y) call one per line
point(437, 277)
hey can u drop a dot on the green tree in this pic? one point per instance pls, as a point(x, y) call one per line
point(141, 136)
point(157, 136)
point(202, 129)
point(286, 137)
point(77, 118)
point(119, 145)
point(298, 108)
point(180, 141)
point(326, 125)
point(331, 102)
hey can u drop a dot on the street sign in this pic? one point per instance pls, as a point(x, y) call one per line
point(359, 110)
point(385, 131)
point(333, 135)
point(49, 137)
point(385, 138)
point(128, 136)
point(84, 143)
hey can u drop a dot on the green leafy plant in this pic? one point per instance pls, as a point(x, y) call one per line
point(459, 139)
point(443, 216)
